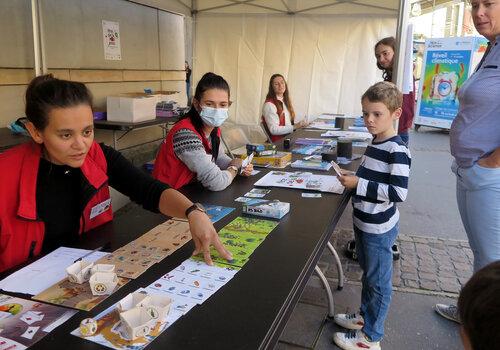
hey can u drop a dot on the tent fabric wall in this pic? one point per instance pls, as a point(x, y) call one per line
point(328, 61)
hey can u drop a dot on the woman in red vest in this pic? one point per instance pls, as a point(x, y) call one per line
point(191, 150)
point(55, 187)
point(384, 53)
point(278, 114)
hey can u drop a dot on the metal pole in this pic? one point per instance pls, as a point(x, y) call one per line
point(398, 67)
point(194, 15)
point(36, 37)
point(403, 19)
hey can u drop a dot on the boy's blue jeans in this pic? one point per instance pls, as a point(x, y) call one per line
point(375, 258)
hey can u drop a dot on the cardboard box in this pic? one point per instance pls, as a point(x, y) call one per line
point(278, 160)
point(131, 108)
point(270, 209)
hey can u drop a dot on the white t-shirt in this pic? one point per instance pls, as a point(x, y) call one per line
point(270, 113)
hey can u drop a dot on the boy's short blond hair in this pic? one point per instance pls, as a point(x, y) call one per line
point(385, 92)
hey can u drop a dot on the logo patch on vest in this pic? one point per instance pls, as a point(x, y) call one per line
point(100, 208)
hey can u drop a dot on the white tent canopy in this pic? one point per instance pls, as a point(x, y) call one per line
point(324, 48)
point(310, 7)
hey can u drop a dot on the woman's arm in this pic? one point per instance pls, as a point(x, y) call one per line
point(223, 160)
point(270, 113)
point(190, 150)
point(157, 196)
point(492, 161)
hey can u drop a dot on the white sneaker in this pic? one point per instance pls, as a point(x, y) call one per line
point(354, 340)
point(350, 321)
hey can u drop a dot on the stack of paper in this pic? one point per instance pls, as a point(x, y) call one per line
point(313, 165)
point(353, 135)
point(323, 125)
point(312, 142)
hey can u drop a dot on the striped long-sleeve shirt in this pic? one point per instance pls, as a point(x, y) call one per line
point(383, 181)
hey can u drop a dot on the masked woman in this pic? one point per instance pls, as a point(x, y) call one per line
point(191, 150)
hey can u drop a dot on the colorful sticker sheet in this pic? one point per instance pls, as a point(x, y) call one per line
point(111, 333)
point(74, 295)
point(217, 212)
point(137, 256)
point(241, 237)
point(188, 285)
point(24, 322)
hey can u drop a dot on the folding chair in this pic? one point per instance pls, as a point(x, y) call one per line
point(265, 129)
point(234, 138)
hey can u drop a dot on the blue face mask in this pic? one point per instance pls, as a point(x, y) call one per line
point(214, 116)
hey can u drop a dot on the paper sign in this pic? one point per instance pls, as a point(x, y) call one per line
point(111, 40)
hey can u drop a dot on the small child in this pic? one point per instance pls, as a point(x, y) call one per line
point(380, 182)
point(479, 308)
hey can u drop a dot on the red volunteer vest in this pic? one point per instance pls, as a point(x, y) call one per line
point(281, 115)
point(168, 167)
point(21, 232)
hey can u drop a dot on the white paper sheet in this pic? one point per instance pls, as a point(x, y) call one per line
point(358, 128)
point(354, 135)
point(322, 126)
point(302, 180)
point(46, 271)
point(245, 162)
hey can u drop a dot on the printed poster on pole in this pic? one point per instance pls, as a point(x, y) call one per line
point(448, 62)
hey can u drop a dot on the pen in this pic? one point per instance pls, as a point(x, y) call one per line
point(89, 253)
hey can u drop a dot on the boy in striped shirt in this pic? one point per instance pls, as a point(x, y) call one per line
point(380, 182)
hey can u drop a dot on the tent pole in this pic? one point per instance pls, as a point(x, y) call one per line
point(36, 37)
point(194, 15)
point(403, 19)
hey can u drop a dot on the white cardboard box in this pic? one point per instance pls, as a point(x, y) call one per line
point(131, 108)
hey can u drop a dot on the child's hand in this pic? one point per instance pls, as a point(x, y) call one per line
point(349, 181)
point(247, 171)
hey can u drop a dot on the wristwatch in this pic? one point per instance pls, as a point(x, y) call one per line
point(233, 167)
point(195, 206)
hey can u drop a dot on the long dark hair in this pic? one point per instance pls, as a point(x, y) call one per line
point(207, 82)
point(391, 42)
point(46, 92)
point(286, 95)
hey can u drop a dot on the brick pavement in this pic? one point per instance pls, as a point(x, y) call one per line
point(427, 263)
